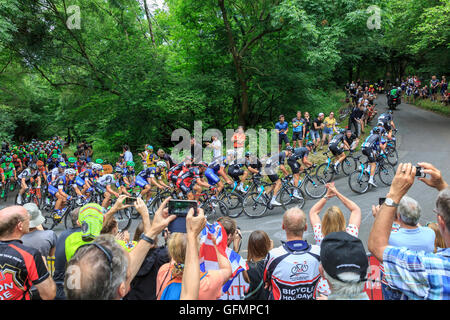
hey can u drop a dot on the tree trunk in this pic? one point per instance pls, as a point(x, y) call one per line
point(150, 29)
point(237, 61)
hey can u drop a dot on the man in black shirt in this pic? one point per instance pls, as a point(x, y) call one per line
point(355, 119)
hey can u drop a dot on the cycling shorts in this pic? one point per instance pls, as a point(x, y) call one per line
point(297, 136)
point(335, 150)
point(370, 153)
point(141, 182)
point(295, 166)
point(213, 179)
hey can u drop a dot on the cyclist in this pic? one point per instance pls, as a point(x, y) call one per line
point(26, 178)
point(104, 184)
point(53, 162)
point(17, 163)
point(336, 149)
point(235, 170)
point(190, 182)
point(270, 169)
point(299, 154)
point(65, 184)
point(388, 122)
point(151, 157)
point(58, 171)
point(7, 171)
point(371, 147)
point(42, 170)
point(212, 173)
point(253, 164)
point(149, 176)
point(129, 175)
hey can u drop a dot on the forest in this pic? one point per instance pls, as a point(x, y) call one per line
point(123, 71)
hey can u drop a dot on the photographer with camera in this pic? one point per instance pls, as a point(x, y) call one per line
point(417, 274)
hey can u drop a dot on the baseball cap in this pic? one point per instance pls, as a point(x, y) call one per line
point(36, 217)
point(341, 252)
point(90, 218)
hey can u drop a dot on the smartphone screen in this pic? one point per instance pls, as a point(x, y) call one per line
point(381, 201)
point(129, 200)
point(180, 208)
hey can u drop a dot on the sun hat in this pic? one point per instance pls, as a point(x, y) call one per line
point(36, 217)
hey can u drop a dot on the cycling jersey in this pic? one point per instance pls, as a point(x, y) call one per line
point(372, 142)
point(299, 153)
point(276, 160)
point(106, 179)
point(337, 139)
point(186, 180)
point(151, 172)
point(218, 163)
point(299, 123)
point(385, 117)
point(254, 164)
point(8, 171)
point(128, 173)
point(26, 174)
point(235, 169)
point(293, 271)
point(63, 183)
point(20, 268)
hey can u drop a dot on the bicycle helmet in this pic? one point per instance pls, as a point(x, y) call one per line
point(33, 166)
point(118, 170)
point(72, 160)
point(130, 164)
point(289, 148)
point(248, 154)
point(310, 144)
point(341, 130)
point(99, 161)
point(97, 167)
point(70, 172)
point(203, 164)
point(161, 164)
point(376, 130)
point(7, 159)
point(39, 163)
point(380, 124)
point(62, 165)
point(231, 152)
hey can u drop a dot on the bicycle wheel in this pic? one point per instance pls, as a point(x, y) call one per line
point(123, 218)
point(348, 165)
point(325, 172)
point(386, 173)
point(234, 203)
point(314, 187)
point(255, 204)
point(358, 181)
point(288, 200)
point(392, 155)
point(214, 208)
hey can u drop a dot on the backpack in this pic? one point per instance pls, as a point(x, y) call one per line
point(173, 289)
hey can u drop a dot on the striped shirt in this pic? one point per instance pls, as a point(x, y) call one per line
point(419, 275)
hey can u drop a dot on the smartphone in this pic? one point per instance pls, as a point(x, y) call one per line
point(180, 208)
point(381, 201)
point(129, 200)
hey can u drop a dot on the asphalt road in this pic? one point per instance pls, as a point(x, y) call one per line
point(422, 136)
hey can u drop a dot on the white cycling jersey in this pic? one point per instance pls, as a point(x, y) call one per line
point(293, 271)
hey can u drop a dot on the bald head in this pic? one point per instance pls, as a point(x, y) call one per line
point(10, 218)
point(294, 222)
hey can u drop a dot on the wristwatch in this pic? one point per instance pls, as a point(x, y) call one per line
point(390, 203)
point(149, 240)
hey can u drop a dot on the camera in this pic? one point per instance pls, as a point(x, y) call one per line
point(419, 172)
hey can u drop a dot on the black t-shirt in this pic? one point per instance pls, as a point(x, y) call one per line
point(143, 286)
point(168, 158)
point(307, 124)
point(357, 113)
point(351, 139)
point(318, 123)
point(256, 273)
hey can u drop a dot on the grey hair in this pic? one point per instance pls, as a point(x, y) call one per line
point(409, 211)
point(443, 205)
point(95, 272)
point(348, 285)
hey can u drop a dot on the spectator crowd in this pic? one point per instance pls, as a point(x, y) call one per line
point(91, 262)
